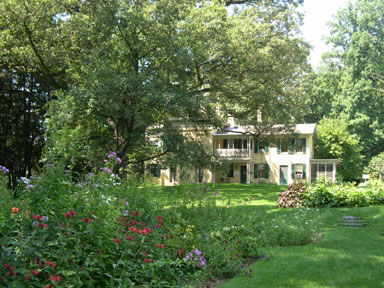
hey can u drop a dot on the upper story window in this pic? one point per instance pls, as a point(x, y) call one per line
point(295, 145)
point(261, 147)
point(235, 143)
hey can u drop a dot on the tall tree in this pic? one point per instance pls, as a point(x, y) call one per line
point(357, 36)
point(152, 62)
point(333, 141)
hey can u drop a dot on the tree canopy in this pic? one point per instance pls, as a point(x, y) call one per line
point(146, 64)
point(333, 141)
point(350, 84)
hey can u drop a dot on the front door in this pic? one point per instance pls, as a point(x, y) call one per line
point(283, 175)
point(243, 174)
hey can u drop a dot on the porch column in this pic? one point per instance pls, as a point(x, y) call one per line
point(248, 172)
point(334, 172)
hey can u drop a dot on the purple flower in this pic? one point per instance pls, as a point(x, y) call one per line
point(197, 252)
point(189, 255)
point(109, 171)
point(105, 160)
point(30, 186)
point(35, 223)
point(126, 212)
point(112, 154)
point(45, 219)
point(118, 159)
point(126, 203)
point(4, 169)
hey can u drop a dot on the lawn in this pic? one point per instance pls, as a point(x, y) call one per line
point(344, 257)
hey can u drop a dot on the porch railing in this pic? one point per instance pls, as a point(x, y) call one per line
point(233, 153)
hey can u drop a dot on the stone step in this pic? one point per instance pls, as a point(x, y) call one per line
point(351, 222)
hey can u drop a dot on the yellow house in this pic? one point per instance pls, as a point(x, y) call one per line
point(289, 159)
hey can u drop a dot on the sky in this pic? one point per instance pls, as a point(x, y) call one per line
point(317, 14)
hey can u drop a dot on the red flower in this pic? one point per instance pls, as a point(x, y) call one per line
point(160, 245)
point(159, 219)
point(179, 252)
point(129, 238)
point(37, 217)
point(117, 240)
point(50, 264)
point(47, 286)
point(28, 278)
point(43, 225)
point(158, 225)
point(34, 272)
point(147, 260)
point(55, 278)
point(165, 236)
point(145, 253)
point(135, 213)
point(15, 210)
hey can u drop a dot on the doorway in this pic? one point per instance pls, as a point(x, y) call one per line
point(243, 174)
point(283, 175)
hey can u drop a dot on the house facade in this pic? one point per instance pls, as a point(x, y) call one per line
point(288, 159)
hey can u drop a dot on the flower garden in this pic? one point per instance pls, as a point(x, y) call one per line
point(58, 230)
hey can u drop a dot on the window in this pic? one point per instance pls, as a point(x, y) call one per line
point(261, 171)
point(237, 143)
point(292, 145)
point(299, 145)
point(225, 145)
point(299, 171)
point(154, 170)
point(283, 145)
point(173, 175)
point(230, 172)
point(261, 147)
point(322, 171)
point(245, 143)
point(329, 171)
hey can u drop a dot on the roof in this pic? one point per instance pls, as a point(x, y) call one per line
point(236, 130)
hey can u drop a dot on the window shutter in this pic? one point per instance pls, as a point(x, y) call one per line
point(279, 147)
point(293, 171)
point(292, 148)
point(304, 145)
point(304, 171)
point(256, 146)
point(266, 171)
point(255, 171)
point(266, 148)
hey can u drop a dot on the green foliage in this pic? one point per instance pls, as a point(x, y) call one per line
point(98, 230)
point(333, 141)
point(376, 165)
point(350, 85)
point(324, 194)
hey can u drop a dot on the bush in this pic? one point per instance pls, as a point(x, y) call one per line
point(325, 194)
point(291, 197)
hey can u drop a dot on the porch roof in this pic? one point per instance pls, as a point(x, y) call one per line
point(323, 161)
point(239, 130)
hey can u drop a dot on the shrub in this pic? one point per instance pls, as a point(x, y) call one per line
point(325, 194)
point(291, 197)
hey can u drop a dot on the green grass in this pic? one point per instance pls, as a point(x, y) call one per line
point(345, 257)
point(237, 194)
